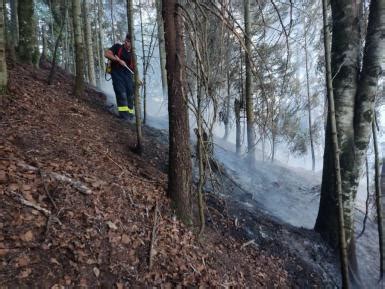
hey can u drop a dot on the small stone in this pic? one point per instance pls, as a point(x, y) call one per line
point(96, 272)
point(111, 225)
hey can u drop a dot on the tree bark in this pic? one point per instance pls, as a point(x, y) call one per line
point(179, 175)
point(336, 159)
point(54, 56)
point(249, 96)
point(27, 50)
point(162, 50)
point(227, 106)
point(14, 28)
point(237, 112)
point(101, 37)
point(138, 118)
point(354, 92)
point(144, 66)
point(309, 104)
point(89, 44)
point(112, 21)
point(379, 201)
point(3, 64)
point(96, 41)
point(79, 51)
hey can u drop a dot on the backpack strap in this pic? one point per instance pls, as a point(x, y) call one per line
point(120, 51)
point(131, 64)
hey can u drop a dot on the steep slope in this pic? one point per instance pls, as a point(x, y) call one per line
point(78, 207)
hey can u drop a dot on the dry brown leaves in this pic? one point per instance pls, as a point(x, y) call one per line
point(104, 238)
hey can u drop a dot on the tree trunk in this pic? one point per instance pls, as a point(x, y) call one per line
point(89, 44)
point(367, 198)
point(379, 201)
point(309, 104)
point(237, 112)
point(162, 51)
point(335, 158)
point(249, 97)
point(354, 94)
point(3, 64)
point(66, 44)
point(227, 105)
point(79, 48)
point(202, 158)
point(96, 41)
point(43, 57)
point(27, 50)
point(144, 60)
point(179, 175)
point(14, 29)
point(112, 21)
point(101, 37)
point(138, 118)
point(54, 56)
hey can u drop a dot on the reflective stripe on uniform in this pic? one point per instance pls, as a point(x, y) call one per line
point(125, 108)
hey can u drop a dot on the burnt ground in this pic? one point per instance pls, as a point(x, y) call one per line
point(78, 208)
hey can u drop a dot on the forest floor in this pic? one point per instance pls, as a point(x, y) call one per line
point(79, 208)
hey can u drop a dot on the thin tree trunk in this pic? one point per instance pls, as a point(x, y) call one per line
point(112, 21)
point(179, 176)
point(309, 104)
point(131, 28)
point(162, 51)
point(249, 96)
point(66, 44)
point(237, 112)
point(14, 40)
point(79, 48)
point(273, 144)
point(202, 154)
point(72, 47)
point(101, 37)
point(144, 60)
point(378, 194)
point(227, 116)
point(43, 57)
point(89, 44)
point(54, 56)
point(96, 41)
point(367, 199)
point(336, 158)
point(3, 64)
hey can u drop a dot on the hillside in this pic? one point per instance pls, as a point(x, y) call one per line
point(78, 206)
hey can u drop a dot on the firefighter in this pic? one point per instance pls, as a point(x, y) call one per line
point(122, 74)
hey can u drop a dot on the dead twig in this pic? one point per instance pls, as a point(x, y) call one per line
point(128, 195)
point(244, 245)
point(195, 270)
point(49, 221)
point(27, 203)
point(153, 237)
point(46, 189)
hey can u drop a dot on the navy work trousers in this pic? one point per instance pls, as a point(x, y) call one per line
point(122, 81)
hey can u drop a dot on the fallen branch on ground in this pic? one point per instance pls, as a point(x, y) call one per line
point(81, 187)
point(27, 203)
point(252, 241)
